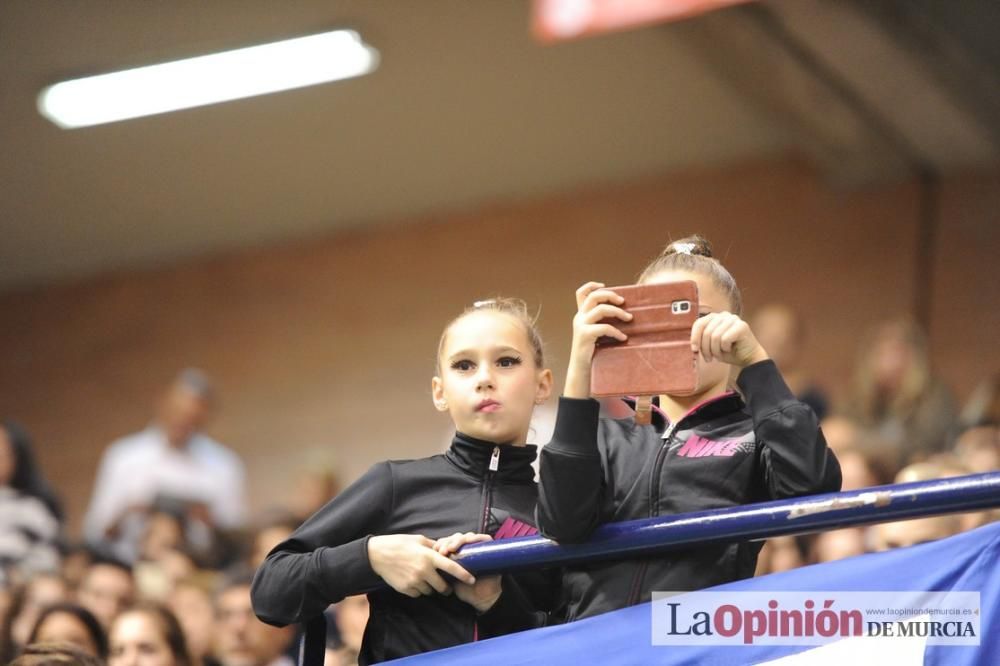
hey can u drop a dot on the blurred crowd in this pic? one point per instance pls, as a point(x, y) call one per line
point(899, 423)
point(161, 574)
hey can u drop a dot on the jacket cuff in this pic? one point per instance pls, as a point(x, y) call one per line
point(348, 562)
point(576, 426)
point(763, 388)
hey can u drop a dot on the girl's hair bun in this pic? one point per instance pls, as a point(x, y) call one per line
point(692, 245)
point(694, 254)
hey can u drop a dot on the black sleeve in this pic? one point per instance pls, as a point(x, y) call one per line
point(326, 559)
point(795, 459)
point(512, 612)
point(571, 486)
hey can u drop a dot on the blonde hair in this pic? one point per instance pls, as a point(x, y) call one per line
point(512, 307)
point(694, 254)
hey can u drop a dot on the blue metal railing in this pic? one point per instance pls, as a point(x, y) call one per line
point(749, 522)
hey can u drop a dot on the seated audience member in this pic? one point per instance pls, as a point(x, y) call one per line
point(920, 530)
point(7, 598)
point(841, 433)
point(30, 514)
point(940, 466)
point(273, 530)
point(242, 639)
point(107, 588)
point(780, 554)
point(910, 532)
point(191, 602)
point(41, 591)
point(351, 618)
point(55, 654)
point(896, 395)
point(983, 406)
point(781, 331)
point(170, 461)
point(839, 544)
point(147, 634)
point(76, 559)
point(845, 437)
point(164, 558)
point(313, 487)
point(979, 448)
point(74, 624)
point(857, 470)
point(977, 451)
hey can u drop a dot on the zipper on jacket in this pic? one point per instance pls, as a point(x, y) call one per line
point(487, 490)
point(654, 473)
point(654, 499)
point(487, 487)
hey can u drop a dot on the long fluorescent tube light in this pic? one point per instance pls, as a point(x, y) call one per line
point(182, 84)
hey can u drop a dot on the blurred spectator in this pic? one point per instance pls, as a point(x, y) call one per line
point(313, 487)
point(163, 555)
point(242, 639)
point(273, 530)
point(983, 406)
point(74, 624)
point(156, 579)
point(780, 330)
point(841, 433)
point(839, 544)
point(55, 654)
point(351, 617)
point(170, 462)
point(164, 533)
point(780, 554)
point(865, 460)
point(6, 610)
point(940, 466)
point(41, 591)
point(856, 470)
point(191, 602)
point(76, 559)
point(911, 532)
point(30, 514)
point(945, 465)
point(979, 448)
point(106, 589)
point(896, 395)
point(147, 635)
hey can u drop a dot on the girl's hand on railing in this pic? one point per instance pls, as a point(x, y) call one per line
point(409, 564)
point(486, 590)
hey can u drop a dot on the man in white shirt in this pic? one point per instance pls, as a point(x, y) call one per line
point(170, 462)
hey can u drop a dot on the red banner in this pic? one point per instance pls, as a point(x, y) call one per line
point(555, 20)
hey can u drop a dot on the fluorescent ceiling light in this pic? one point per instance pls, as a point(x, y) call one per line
point(182, 84)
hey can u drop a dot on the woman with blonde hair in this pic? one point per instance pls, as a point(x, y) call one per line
point(897, 396)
